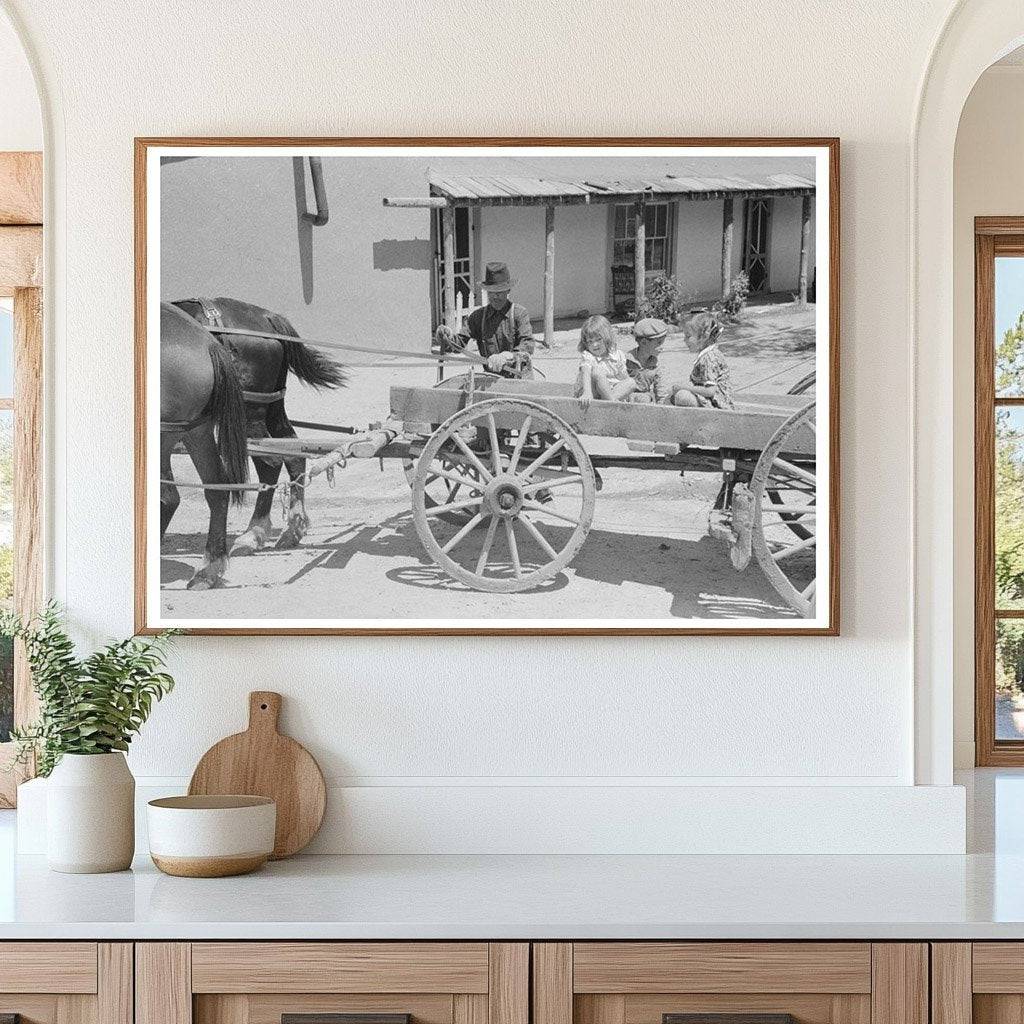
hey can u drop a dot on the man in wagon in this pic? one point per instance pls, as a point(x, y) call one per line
point(501, 328)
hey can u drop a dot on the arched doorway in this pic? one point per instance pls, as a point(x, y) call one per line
point(975, 35)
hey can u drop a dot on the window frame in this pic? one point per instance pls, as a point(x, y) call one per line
point(670, 207)
point(21, 262)
point(993, 237)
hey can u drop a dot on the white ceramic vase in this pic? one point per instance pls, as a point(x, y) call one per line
point(90, 814)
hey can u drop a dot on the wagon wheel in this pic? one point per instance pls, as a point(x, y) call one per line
point(789, 563)
point(781, 495)
point(526, 484)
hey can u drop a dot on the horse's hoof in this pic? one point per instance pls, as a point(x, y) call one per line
point(244, 546)
point(200, 582)
point(289, 539)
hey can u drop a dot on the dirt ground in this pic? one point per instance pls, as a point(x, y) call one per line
point(647, 556)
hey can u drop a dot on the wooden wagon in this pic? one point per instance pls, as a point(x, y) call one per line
point(504, 488)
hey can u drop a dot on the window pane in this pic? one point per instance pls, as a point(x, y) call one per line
point(6, 567)
point(1009, 510)
point(1009, 679)
point(1009, 325)
point(6, 350)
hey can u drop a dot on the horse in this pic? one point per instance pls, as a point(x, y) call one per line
point(263, 365)
point(201, 405)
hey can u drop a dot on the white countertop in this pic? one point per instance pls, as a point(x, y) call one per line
point(532, 897)
point(978, 896)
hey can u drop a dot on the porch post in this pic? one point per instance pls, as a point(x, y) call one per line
point(549, 276)
point(448, 249)
point(639, 255)
point(805, 245)
point(728, 220)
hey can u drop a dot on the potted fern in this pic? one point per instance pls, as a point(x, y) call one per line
point(89, 710)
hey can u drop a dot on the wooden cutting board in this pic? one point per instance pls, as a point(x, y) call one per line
point(262, 762)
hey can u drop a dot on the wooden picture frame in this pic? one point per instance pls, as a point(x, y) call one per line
point(824, 619)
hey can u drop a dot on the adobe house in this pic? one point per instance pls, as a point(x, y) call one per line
point(369, 268)
point(694, 219)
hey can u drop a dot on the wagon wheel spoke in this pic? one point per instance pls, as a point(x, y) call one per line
point(558, 481)
point(463, 533)
point(458, 481)
point(534, 507)
point(485, 551)
point(794, 549)
point(544, 456)
point(808, 591)
point(517, 451)
point(538, 537)
point(485, 474)
point(513, 548)
point(453, 506)
point(492, 433)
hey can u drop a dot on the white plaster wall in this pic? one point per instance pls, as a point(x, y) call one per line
point(988, 181)
point(515, 235)
point(21, 124)
point(809, 712)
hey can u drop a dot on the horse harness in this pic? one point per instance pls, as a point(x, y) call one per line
point(215, 319)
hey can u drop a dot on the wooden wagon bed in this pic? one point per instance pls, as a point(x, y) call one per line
point(747, 428)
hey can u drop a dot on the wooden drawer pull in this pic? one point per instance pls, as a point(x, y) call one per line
point(340, 1018)
point(728, 1018)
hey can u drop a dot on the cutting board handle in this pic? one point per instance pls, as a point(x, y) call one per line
point(264, 710)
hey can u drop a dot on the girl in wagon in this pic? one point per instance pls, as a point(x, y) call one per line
point(710, 380)
point(602, 371)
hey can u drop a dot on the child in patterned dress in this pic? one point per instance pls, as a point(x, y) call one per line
point(710, 379)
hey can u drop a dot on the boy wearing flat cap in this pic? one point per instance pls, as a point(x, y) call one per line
point(642, 362)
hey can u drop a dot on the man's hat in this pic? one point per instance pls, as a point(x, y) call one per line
point(497, 278)
point(649, 328)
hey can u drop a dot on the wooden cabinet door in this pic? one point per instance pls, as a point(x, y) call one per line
point(979, 982)
point(736, 982)
point(304, 982)
point(66, 982)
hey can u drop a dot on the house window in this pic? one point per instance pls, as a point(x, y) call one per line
point(658, 233)
point(999, 491)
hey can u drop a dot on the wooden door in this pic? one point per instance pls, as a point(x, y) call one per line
point(66, 982)
point(306, 982)
point(757, 244)
point(977, 983)
point(730, 983)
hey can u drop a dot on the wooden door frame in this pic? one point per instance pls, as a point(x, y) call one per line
point(21, 272)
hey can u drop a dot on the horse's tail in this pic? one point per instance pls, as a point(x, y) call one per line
point(308, 364)
point(228, 409)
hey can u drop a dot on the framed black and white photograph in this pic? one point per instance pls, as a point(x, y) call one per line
point(487, 386)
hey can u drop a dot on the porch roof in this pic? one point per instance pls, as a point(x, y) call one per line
point(520, 184)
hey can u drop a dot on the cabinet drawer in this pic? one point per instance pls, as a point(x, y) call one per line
point(66, 982)
point(635, 967)
point(340, 967)
point(732, 982)
point(262, 982)
point(48, 967)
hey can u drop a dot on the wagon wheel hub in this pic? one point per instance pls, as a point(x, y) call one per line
point(504, 496)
